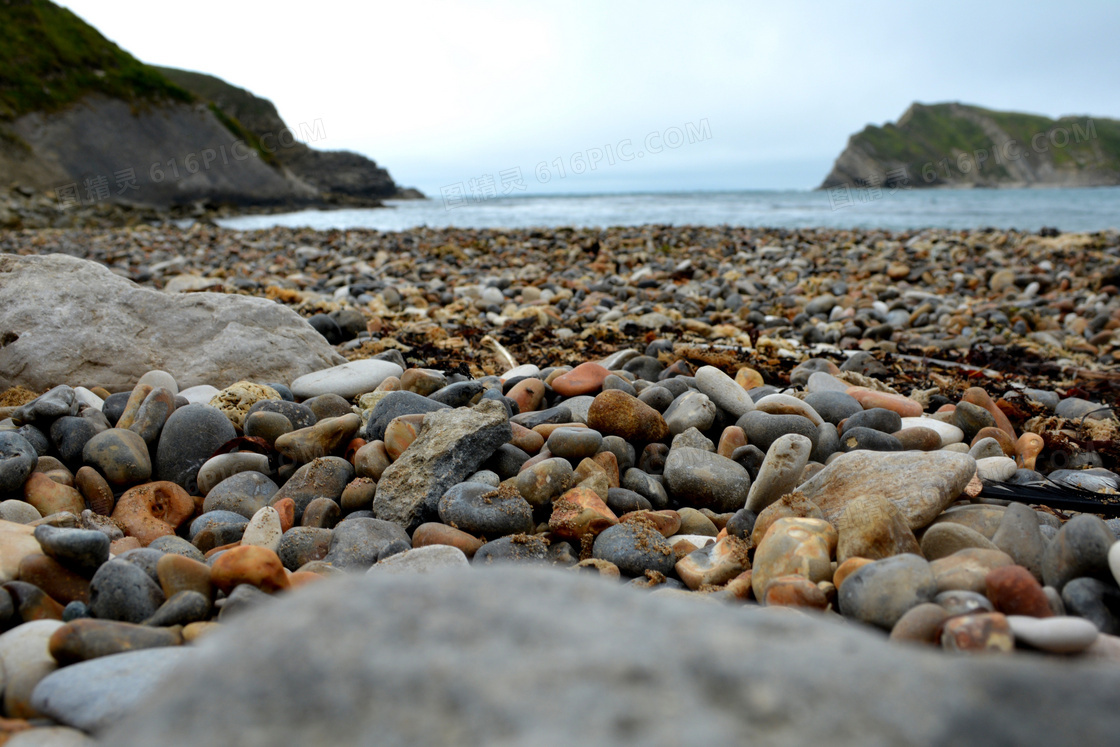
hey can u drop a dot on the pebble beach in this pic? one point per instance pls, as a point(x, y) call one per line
point(208, 433)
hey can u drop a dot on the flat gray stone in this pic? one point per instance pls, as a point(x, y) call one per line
point(95, 694)
point(199, 338)
point(519, 651)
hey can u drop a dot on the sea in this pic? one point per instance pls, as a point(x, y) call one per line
point(1078, 210)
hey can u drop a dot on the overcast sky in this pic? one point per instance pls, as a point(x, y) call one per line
point(444, 92)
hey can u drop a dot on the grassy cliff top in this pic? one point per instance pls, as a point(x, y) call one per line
point(50, 58)
point(929, 132)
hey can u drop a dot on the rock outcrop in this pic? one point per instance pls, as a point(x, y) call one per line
point(958, 145)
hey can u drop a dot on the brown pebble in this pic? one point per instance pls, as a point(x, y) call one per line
point(49, 497)
point(525, 439)
point(986, 632)
point(1006, 443)
point(1013, 590)
point(95, 490)
point(85, 639)
point(55, 579)
point(286, 507)
point(179, 573)
point(434, 533)
point(921, 624)
point(153, 510)
point(795, 591)
point(847, 568)
point(257, 566)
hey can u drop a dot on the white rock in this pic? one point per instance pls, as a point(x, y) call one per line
point(264, 529)
point(201, 394)
point(822, 381)
point(723, 390)
point(950, 434)
point(157, 379)
point(1060, 635)
point(780, 471)
point(17, 512)
point(995, 468)
point(199, 338)
point(1114, 561)
point(527, 369)
point(422, 560)
point(87, 397)
point(347, 381)
point(25, 660)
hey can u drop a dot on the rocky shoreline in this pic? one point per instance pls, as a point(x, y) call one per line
point(784, 430)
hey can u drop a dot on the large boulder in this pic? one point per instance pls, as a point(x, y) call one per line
point(523, 656)
point(71, 321)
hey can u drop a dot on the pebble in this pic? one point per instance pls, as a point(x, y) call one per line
point(357, 543)
point(82, 551)
point(516, 548)
point(763, 429)
point(793, 546)
point(152, 510)
point(1060, 635)
point(248, 564)
point(85, 639)
point(872, 527)
point(425, 559)
point(634, 547)
point(222, 467)
point(1080, 549)
point(347, 380)
point(724, 391)
point(586, 378)
point(881, 592)
point(574, 444)
point(942, 540)
point(25, 661)
point(94, 695)
point(123, 591)
point(190, 437)
point(700, 478)
point(982, 633)
point(480, 509)
point(968, 569)
point(121, 456)
point(1014, 591)
point(780, 471)
point(615, 413)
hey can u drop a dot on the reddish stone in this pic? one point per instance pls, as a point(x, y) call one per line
point(249, 564)
point(616, 413)
point(904, 406)
point(578, 512)
point(528, 394)
point(666, 522)
point(795, 591)
point(586, 378)
point(1013, 590)
point(525, 439)
point(1006, 442)
point(847, 568)
point(286, 507)
point(153, 510)
point(609, 462)
point(434, 533)
point(732, 438)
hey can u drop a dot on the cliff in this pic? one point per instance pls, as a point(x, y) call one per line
point(87, 125)
point(959, 145)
